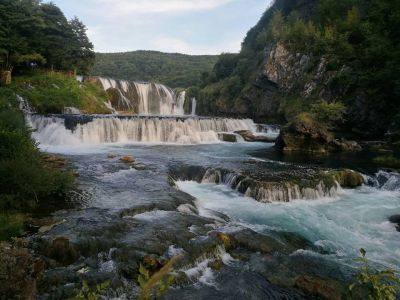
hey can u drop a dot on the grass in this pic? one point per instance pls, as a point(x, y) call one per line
point(51, 92)
point(11, 225)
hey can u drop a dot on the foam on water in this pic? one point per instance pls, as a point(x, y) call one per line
point(356, 219)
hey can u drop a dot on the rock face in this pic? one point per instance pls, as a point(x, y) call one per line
point(306, 136)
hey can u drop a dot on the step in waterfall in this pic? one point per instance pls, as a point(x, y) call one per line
point(143, 98)
point(75, 130)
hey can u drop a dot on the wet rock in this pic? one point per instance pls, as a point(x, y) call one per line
point(249, 136)
point(228, 240)
point(54, 162)
point(348, 178)
point(75, 174)
point(128, 159)
point(322, 288)
point(395, 220)
point(111, 156)
point(227, 137)
point(62, 251)
point(20, 271)
point(216, 265)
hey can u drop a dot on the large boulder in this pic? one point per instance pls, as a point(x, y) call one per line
point(306, 135)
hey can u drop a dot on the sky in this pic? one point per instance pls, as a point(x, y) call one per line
point(183, 26)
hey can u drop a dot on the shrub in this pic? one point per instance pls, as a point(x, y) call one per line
point(328, 114)
point(373, 284)
point(11, 225)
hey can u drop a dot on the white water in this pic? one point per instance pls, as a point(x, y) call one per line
point(145, 98)
point(194, 106)
point(278, 192)
point(341, 226)
point(52, 131)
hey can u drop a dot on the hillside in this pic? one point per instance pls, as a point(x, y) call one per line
point(308, 53)
point(172, 69)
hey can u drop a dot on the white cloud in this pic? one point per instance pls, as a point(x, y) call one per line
point(142, 7)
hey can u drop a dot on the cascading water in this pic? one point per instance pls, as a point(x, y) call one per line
point(194, 104)
point(53, 130)
point(143, 98)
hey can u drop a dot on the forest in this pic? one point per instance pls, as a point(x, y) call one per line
point(173, 69)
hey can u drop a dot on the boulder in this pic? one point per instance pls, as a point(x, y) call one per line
point(348, 178)
point(305, 135)
point(128, 159)
point(395, 220)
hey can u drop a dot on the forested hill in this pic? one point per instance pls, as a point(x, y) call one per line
point(320, 57)
point(172, 69)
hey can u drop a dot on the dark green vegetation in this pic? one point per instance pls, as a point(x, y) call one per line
point(26, 181)
point(374, 284)
point(172, 69)
point(35, 33)
point(51, 92)
point(307, 52)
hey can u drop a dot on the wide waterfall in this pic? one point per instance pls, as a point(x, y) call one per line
point(75, 130)
point(143, 98)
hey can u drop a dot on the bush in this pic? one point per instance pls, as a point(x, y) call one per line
point(328, 114)
point(25, 180)
point(372, 284)
point(11, 225)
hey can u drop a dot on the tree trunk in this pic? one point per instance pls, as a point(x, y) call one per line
point(5, 78)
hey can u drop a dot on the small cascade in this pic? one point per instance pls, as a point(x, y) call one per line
point(143, 98)
point(24, 105)
point(272, 191)
point(386, 181)
point(194, 104)
point(75, 130)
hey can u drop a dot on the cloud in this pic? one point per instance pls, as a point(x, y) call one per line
point(143, 7)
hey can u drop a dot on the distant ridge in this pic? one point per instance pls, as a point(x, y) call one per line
point(172, 69)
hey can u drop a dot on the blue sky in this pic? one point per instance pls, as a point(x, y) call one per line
point(185, 26)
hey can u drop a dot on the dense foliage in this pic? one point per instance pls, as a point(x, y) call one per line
point(35, 33)
point(25, 180)
point(172, 69)
point(359, 39)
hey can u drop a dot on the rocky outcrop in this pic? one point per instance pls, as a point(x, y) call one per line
point(307, 136)
point(327, 289)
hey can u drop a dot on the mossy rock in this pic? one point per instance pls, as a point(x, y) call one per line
point(348, 178)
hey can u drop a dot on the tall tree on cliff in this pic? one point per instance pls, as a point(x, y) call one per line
point(82, 47)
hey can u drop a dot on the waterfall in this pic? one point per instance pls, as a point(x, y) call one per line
point(143, 98)
point(194, 104)
point(75, 130)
